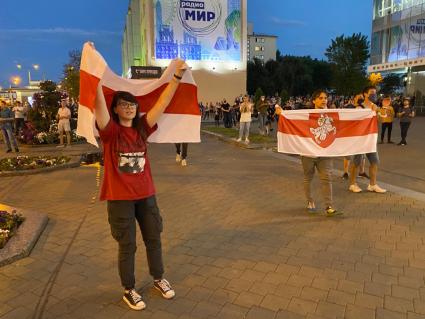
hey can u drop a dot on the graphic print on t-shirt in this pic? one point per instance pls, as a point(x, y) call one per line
point(131, 163)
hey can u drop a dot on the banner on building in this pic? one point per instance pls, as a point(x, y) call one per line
point(199, 30)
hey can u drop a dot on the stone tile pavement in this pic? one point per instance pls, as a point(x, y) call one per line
point(237, 244)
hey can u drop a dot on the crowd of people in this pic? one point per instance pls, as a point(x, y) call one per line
point(389, 109)
point(14, 120)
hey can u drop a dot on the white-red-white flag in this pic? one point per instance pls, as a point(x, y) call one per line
point(181, 121)
point(328, 132)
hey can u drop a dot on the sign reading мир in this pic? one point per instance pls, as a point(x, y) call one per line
point(198, 30)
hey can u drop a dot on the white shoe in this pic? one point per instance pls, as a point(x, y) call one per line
point(178, 158)
point(355, 188)
point(246, 141)
point(184, 163)
point(375, 188)
point(239, 140)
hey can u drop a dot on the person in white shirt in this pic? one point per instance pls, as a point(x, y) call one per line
point(64, 114)
point(245, 121)
point(20, 111)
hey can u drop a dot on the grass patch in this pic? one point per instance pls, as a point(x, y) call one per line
point(232, 133)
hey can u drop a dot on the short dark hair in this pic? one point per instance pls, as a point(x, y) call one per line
point(128, 97)
point(317, 93)
point(368, 88)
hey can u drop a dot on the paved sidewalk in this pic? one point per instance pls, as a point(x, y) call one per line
point(237, 244)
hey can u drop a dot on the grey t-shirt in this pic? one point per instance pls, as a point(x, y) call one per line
point(405, 118)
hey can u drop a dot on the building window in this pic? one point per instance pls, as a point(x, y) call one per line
point(257, 48)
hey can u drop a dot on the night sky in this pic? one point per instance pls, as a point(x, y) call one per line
point(44, 31)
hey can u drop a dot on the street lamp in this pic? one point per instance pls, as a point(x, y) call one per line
point(16, 80)
point(36, 67)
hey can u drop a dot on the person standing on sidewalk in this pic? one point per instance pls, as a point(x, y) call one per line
point(245, 121)
point(405, 114)
point(386, 116)
point(370, 98)
point(322, 164)
point(128, 186)
point(262, 106)
point(64, 125)
point(6, 119)
point(181, 150)
point(20, 112)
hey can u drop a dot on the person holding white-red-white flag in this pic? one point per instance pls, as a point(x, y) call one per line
point(128, 114)
point(321, 134)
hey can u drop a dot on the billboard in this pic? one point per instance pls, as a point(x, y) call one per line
point(198, 30)
point(407, 40)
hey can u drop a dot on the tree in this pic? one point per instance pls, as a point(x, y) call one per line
point(71, 75)
point(258, 94)
point(46, 105)
point(349, 56)
point(391, 83)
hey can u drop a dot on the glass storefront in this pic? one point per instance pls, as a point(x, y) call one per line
point(382, 8)
point(398, 30)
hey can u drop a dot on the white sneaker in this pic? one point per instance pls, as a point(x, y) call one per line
point(375, 188)
point(184, 163)
point(239, 139)
point(178, 158)
point(355, 188)
point(246, 141)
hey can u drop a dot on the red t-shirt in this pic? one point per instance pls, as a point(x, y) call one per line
point(127, 169)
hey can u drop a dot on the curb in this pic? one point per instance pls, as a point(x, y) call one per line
point(233, 141)
point(22, 243)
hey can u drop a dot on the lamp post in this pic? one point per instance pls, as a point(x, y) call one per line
point(36, 67)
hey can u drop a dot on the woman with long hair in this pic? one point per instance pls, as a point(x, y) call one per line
point(128, 186)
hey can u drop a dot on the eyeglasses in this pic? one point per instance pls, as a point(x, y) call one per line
point(127, 105)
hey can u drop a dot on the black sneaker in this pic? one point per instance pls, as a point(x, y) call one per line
point(133, 300)
point(17, 150)
point(363, 175)
point(390, 142)
point(164, 288)
point(9, 151)
point(345, 176)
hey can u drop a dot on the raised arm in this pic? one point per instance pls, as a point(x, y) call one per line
point(164, 100)
point(102, 114)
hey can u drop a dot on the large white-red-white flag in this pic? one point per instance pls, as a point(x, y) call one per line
point(181, 121)
point(327, 133)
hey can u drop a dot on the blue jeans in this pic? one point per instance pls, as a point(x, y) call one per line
point(8, 137)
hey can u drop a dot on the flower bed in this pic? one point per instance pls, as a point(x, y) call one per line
point(9, 223)
point(20, 163)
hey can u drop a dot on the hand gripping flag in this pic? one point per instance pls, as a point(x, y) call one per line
point(181, 121)
point(327, 133)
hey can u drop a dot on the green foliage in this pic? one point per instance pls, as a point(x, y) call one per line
point(294, 75)
point(258, 94)
point(20, 163)
point(71, 75)
point(9, 223)
point(349, 56)
point(284, 96)
point(46, 105)
point(391, 83)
